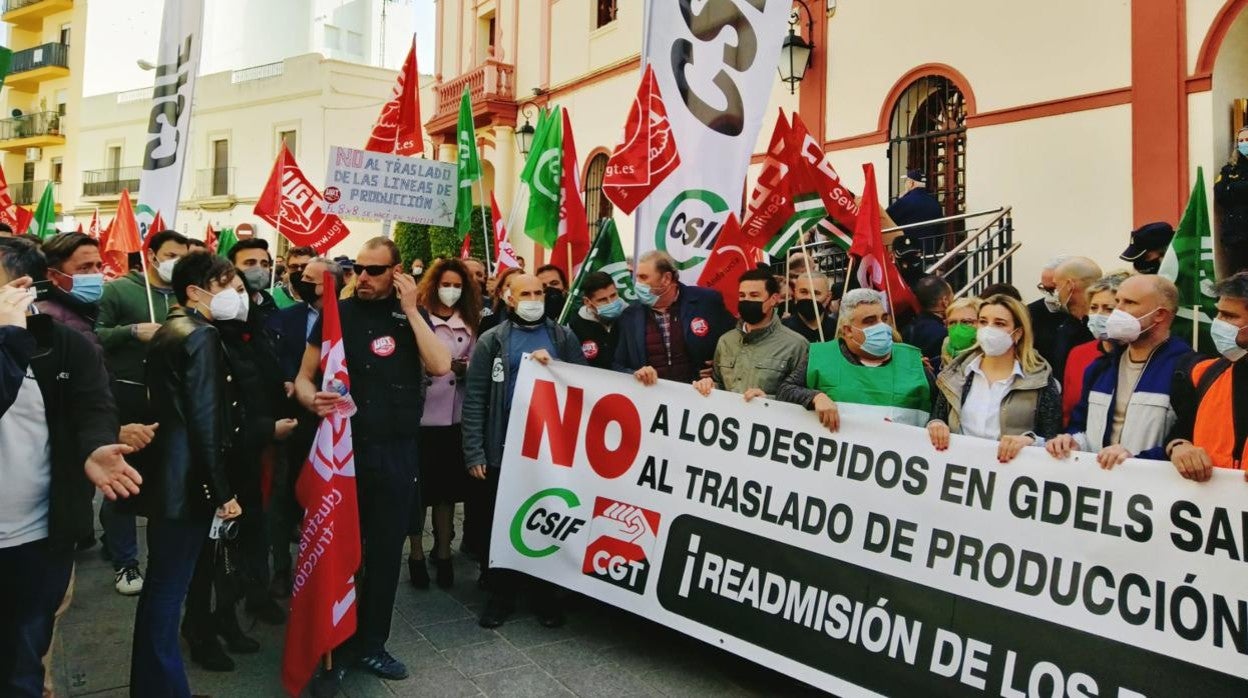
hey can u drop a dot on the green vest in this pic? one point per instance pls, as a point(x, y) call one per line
point(897, 391)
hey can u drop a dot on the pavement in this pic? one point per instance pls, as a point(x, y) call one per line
point(600, 652)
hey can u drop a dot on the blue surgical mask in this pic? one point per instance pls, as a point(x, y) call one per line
point(877, 339)
point(645, 295)
point(1226, 340)
point(611, 310)
point(1096, 325)
point(87, 288)
point(1243, 149)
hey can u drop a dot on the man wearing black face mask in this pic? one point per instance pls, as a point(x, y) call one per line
point(754, 359)
point(1148, 247)
point(812, 298)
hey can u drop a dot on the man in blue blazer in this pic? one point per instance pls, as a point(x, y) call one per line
point(673, 331)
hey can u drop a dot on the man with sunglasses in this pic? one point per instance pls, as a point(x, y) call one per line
point(390, 349)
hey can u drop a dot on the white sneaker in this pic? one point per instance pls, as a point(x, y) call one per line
point(129, 581)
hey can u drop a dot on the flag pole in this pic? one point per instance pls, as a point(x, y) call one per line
point(1196, 327)
point(810, 279)
point(485, 228)
point(147, 285)
point(273, 263)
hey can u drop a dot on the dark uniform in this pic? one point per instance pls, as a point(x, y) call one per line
point(388, 386)
point(597, 341)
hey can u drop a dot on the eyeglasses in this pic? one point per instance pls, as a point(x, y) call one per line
point(371, 269)
point(1045, 289)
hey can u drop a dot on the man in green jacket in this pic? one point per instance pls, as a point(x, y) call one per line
point(754, 359)
point(124, 326)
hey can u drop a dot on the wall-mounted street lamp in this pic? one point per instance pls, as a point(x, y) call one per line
point(524, 134)
point(796, 52)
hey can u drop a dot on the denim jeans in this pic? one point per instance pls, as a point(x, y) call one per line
point(121, 540)
point(156, 667)
point(31, 588)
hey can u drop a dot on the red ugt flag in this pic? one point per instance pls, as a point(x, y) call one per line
point(322, 599)
point(875, 262)
point(572, 245)
point(733, 255)
point(210, 239)
point(93, 229)
point(647, 155)
point(291, 204)
point(397, 129)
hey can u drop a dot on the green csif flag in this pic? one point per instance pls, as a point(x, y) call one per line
point(542, 176)
point(6, 62)
point(43, 225)
point(605, 255)
point(469, 165)
point(226, 240)
point(1189, 264)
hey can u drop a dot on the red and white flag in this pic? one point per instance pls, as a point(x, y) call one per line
point(465, 248)
point(94, 231)
point(875, 261)
point(9, 213)
point(648, 153)
point(771, 203)
point(572, 245)
point(210, 239)
point(291, 204)
point(504, 253)
point(837, 198)
point(733, 255)
point(116, 264)
point(397, 130)
point(322, 599)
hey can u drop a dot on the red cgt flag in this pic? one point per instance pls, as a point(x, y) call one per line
point(648, 153)
point(875, 261)
point(573, 242)
point(837, 198)
point(93, 230)
point(397, 129)
point(322, 600)
point(733, 255)
point(116, 264)
point(504, 254)
point(465, 249)
point(291, 204)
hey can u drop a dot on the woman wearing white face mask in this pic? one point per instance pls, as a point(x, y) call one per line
point(1102, 299)
point(452, 306)
point(1230, 198)
point(1000, 389)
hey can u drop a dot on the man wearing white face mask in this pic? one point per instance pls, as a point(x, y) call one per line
point(487, 408)
point(1046, 311)
point(1125, 408)
point(1214, 392)
point(125, 327)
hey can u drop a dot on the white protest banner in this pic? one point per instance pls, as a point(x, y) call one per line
point(363, 184)
point(169, 124)
point(715, 68)
point(866, 562)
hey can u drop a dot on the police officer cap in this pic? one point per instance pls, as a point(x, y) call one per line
point(1150, 236)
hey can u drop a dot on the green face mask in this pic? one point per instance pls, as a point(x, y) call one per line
point(961, 338)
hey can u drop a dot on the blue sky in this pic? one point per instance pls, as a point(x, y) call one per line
point(426, 17)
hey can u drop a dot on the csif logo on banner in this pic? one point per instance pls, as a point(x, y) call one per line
point(545, 521)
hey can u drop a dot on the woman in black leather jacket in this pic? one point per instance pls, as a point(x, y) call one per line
point(1230, 199)
point(185, 478)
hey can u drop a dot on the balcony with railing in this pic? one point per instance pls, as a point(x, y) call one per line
point(29, 14)
point(215, 184)
point(35, 65)
point(28, 193)
point(492, 88)
point(37, 130)
point(110, 182)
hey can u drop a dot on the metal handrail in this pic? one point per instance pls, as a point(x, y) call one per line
point(962, 246)
point(991, 268)
point(946, 219)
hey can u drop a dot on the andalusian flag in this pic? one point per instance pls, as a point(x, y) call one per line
point(226, 242)
point(44, 223)
point(606, 255)
point(541, 179)
point(469, 165)
point(6, 61)
point(1189, 264)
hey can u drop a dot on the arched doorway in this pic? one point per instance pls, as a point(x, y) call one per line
point(927, 131)
point(597, 205)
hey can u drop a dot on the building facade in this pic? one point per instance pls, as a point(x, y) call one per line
point(1087, 118)
point(241, 119)
point(40, 105)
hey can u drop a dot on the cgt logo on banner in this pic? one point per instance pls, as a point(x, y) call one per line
point(865, 562)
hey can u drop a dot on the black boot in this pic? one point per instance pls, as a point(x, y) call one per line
point(263, 608)
point(418, 572)
point(445, 572)
point(205, 650)
point(229, 630)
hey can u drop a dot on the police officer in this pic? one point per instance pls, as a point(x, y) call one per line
point(390, 348)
